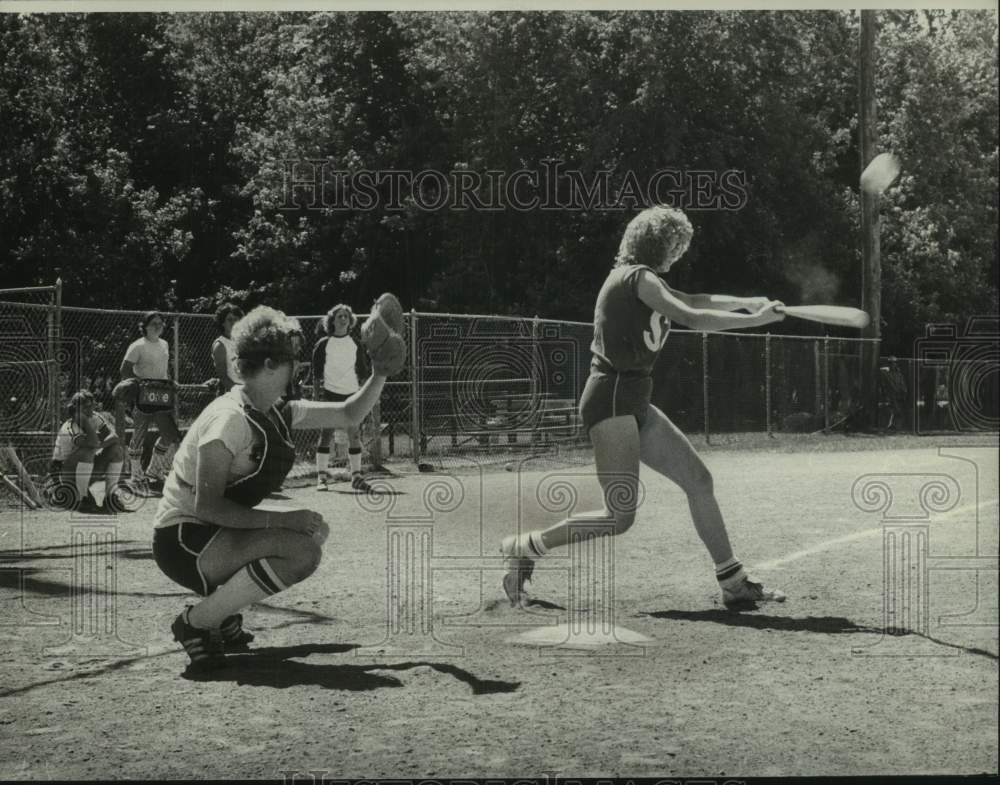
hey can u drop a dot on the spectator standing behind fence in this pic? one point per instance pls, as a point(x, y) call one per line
point(895, 393)
point(147, 387)
point(338, 368)
point(223, 348)
point(86, 445)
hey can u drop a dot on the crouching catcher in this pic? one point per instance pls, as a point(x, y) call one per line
point(208, 536)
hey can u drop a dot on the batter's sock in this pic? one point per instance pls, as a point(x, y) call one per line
point(251, 584)
point(525, 546)
point(730, 573)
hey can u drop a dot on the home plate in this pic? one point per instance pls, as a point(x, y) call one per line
point(573, 636)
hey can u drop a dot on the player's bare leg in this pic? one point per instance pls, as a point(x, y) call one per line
point(666, 450)
point(164, 448)
point(323, 459)
point(616, 455)
point(354, 460)
point(247, 566)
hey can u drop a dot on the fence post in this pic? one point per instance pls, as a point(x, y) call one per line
point(817, 378)
point(536, 360)
point(414, 390)
point(767, 381)
point(53, 364)
point(177, 365)
point(59, 343)
point(704, 380)
point(826, 382)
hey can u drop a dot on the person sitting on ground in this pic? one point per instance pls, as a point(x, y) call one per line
point(86, 447)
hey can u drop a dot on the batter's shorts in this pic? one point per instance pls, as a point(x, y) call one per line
point(613, 395)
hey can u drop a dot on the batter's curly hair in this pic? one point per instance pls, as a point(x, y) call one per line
point(266, 334)
point(657, 237)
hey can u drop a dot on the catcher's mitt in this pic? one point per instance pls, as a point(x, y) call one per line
point(380, 336)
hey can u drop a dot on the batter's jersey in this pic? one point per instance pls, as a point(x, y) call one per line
point(628, 334)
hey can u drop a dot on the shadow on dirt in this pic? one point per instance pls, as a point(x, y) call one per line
point(15, 554)
point(136, 554)
point(274, 667)
point(831, 625)
point(824, 624)
point(25, 579)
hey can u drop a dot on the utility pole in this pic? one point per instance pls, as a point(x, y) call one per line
point(871, 287)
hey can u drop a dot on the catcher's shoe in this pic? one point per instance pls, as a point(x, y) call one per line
point(234, 637)
point(748, 593)
point(519, 572)
point(204, 647)
point(321, 484)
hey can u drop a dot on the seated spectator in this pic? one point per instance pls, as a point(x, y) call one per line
point(86, 447)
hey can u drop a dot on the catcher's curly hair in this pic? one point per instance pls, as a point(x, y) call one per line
point(325, 326)
point(657, 237)
point(265, 333)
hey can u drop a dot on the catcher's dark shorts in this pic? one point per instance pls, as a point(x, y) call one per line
point(177, 549)
point(333, 397)
point(614, 395)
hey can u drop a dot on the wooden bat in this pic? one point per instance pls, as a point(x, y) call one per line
point(828, 314)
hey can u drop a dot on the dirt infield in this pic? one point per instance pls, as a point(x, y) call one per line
point(397, 658)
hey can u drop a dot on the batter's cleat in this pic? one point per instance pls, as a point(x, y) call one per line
point(321, 485)
point(234, 637)
point(519, 571)
point(748, 594)
point(204, 647)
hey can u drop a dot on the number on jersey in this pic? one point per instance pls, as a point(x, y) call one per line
point(656, 335)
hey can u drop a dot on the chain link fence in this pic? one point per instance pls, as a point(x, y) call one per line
point(32, 355)
point(490, 388)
